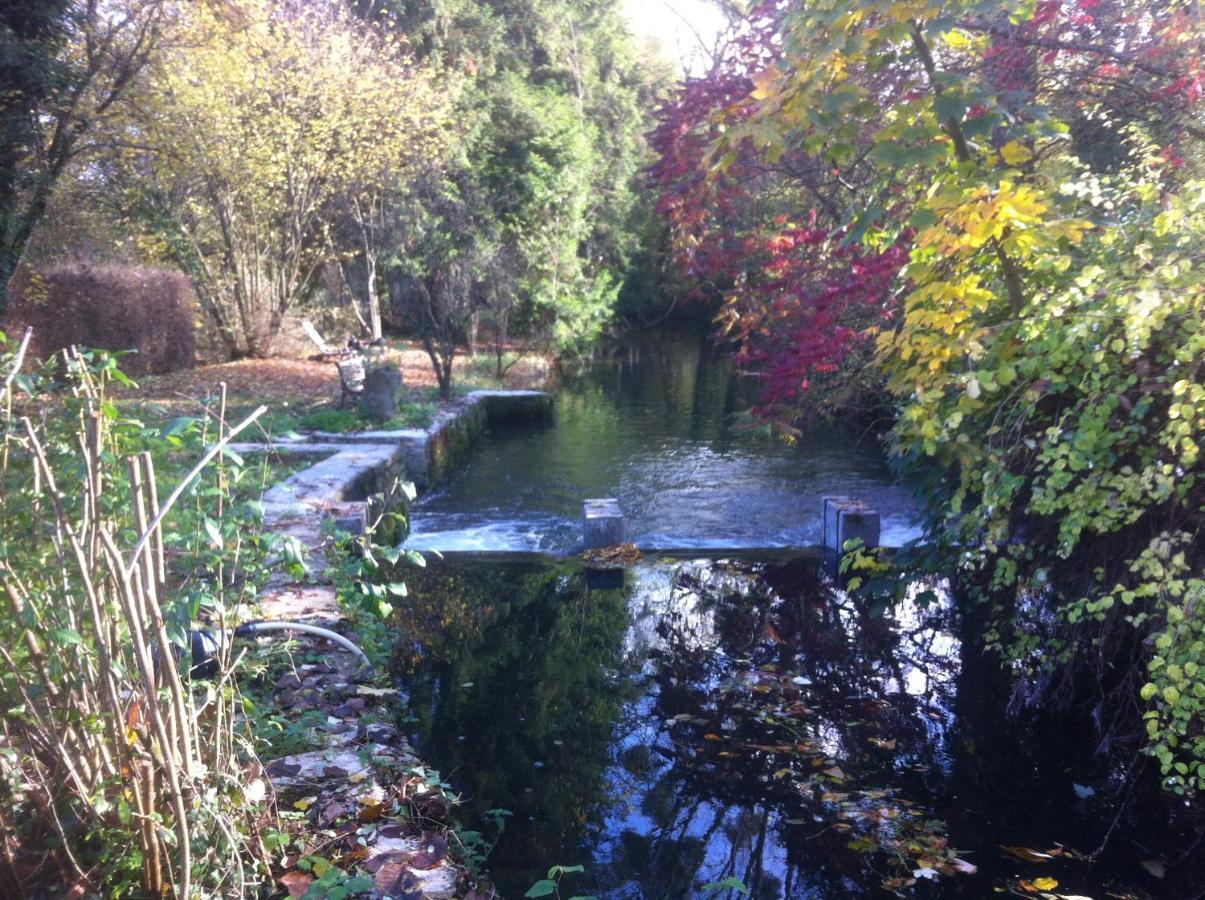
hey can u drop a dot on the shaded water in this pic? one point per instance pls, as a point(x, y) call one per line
point(700, 724)
point(656, 424)
point(708, 721)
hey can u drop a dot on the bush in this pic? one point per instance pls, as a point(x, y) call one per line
point(121, 773)
point(116, 308)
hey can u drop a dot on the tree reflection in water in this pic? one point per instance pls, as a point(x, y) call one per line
point(710, 721)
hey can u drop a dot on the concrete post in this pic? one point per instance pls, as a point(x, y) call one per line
point(845, 520)
point(829, 509)
point(858, 522)
point(602, 523)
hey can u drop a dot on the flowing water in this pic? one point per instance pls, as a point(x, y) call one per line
point(705, 727)
point(658, 425)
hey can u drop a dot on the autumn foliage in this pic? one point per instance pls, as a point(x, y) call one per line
point(998, 210)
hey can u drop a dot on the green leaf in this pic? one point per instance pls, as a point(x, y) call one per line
point(66, 636)
point(214, 532)
point(949, 105)
point(541, 889)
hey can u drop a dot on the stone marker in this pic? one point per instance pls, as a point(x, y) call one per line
point(845, 520)
point(602, 523)
point(382, 387)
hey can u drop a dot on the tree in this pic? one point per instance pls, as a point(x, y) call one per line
point(553, 145)
point(442, 262)
point(1039, 166)
point(64, 67)
point(764, 239)
point(264, 120)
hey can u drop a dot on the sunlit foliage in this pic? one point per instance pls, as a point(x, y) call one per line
point(1039, 166)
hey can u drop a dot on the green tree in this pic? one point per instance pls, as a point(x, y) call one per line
point(64, 67)
point(556, 105)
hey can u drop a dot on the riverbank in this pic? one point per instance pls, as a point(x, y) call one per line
point(303, 394)
point(366, 801)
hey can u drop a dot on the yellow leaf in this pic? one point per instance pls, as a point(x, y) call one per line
point(305, 803)
point(1015, 153)
point(763, 82)
point(1045, 883)
point(1024, 853)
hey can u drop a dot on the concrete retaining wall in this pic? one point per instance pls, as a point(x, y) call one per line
point(356, 466)
point(431, 452)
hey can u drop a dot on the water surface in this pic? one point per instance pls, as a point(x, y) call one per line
point(709, 720)
point(657, 423)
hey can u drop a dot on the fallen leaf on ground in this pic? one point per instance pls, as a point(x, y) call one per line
point(296, 883)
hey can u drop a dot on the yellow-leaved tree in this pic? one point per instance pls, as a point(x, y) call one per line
point(257, 123)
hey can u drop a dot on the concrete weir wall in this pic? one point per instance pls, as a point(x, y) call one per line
point(356, 466)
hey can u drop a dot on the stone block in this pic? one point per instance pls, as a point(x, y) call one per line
point(846, 519)
point(829, 508)
point(602, 523)
point(858, 522)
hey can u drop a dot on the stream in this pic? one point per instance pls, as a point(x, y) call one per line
point(657, 423)
point(729, 725)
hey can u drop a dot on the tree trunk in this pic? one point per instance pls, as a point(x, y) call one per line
point(374, 299)
point(474, 327)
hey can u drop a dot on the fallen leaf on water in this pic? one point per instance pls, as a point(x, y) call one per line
point(1155, 867)
point(1027, 855)
point(1045, 883)
point(835, 772)
point(1083, 792)
point(961, 865)
point(304, 803)
point(882, 744)
point(712, 736)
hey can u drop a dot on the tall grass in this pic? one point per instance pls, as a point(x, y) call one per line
point(119, 772)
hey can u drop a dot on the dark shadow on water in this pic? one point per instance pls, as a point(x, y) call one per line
point(707, 721)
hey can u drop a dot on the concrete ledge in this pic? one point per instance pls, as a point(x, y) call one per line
point(453, 432)
point(352, 473)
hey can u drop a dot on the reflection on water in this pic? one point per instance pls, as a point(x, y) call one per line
point(710, 721)
point(658, 426)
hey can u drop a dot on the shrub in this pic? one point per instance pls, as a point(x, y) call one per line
point(122, 774)
point(116, 308)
